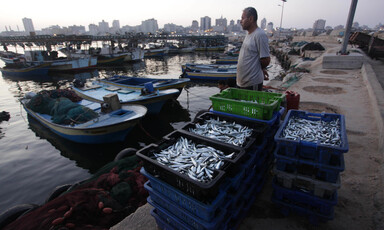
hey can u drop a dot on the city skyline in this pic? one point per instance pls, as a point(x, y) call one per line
point(183, 13)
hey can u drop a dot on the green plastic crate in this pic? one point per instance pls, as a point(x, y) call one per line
point(242, 102)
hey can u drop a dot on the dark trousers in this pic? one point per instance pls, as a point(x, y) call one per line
point(258, 87)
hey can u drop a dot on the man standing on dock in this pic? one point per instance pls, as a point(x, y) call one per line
point(254, 54)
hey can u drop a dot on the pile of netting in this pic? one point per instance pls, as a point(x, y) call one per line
point(100, 202)
point(61, 105)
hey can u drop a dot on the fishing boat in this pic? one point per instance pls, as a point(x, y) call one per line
point(155, 50)
point(60, 63)
point(25, 71)
point(210, 48)
point(138, 83)
point(209, 74)
point(153, 100)
point(226, 60)
point(207, 66)
point(104, 128)
point(135, 54)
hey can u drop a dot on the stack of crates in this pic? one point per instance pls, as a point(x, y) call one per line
point(181, 203)
point(307, 171)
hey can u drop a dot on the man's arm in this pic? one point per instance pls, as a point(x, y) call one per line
point(264, 63)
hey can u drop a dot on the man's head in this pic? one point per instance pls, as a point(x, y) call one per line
point(249, 18)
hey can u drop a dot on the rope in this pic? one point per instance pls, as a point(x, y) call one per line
point(147, 133)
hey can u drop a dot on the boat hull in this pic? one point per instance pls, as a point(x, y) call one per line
point(209, 76)
point(111, 60)
point(91, 135)
point(158, 84)
point(36, 71)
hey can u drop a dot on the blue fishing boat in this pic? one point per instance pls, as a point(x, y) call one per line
point(153, 100)
point(26, 71)
point(138, 83)
point(209, 74)
point(102, 128)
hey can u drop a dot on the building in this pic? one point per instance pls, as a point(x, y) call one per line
point(149, 26)
point(319, 26)
point(195, 25)
point(115, 26)
point(339, 27)
point(78, 30)
point(103, 27)
point(28, 25)
point(263, 24)
point(221, 22)
point(355, 25)
point(205, 23)
point(93, 29)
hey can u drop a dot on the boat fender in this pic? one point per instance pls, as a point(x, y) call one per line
point(57, 192)
point(125, 153)
point(11, 214)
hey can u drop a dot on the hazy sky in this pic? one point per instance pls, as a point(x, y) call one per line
point(297, 13)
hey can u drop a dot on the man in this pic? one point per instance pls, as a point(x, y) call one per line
point(254, 54)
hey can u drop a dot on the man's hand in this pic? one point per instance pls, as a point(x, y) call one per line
point(266, 75)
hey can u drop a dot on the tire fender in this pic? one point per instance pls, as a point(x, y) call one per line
point(11, 214)
point(125, 153)
point(57, 192)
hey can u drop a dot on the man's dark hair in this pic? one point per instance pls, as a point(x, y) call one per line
point(251, 12)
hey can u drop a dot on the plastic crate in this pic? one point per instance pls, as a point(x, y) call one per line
point(166, 224)
point(307, 184)
point(275, 117)
point(241, 102)
point(258, 128)
point(206, 211)
point(199, 190)
point(178, 215)
point(314, 209)
point(322, 153)
point(310, 202)
point(313, 169)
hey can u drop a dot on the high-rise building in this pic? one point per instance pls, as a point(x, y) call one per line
point(28, 25)
point(263, 24)
point(195, 25)
point(221, 22)
point(149, 26)
point(205, 23)
point(116, 24)
point(103, 27)
point(93, 29)
point(319, 25)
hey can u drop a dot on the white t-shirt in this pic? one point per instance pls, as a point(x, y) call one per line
point(254, 47)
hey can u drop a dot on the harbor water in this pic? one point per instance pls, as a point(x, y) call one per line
point(34, 160)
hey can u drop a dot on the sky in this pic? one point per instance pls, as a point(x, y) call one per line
point(296, 13)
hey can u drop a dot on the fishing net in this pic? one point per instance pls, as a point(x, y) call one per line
point(60, 105)
point(100, 202)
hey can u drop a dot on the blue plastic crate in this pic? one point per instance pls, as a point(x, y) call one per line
point(322, 172)
point(313, 204)
point(286, 208)
point(275, 117)
point(178, 215)
point(166, 224)
point(206, 211)
point(321, 153)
